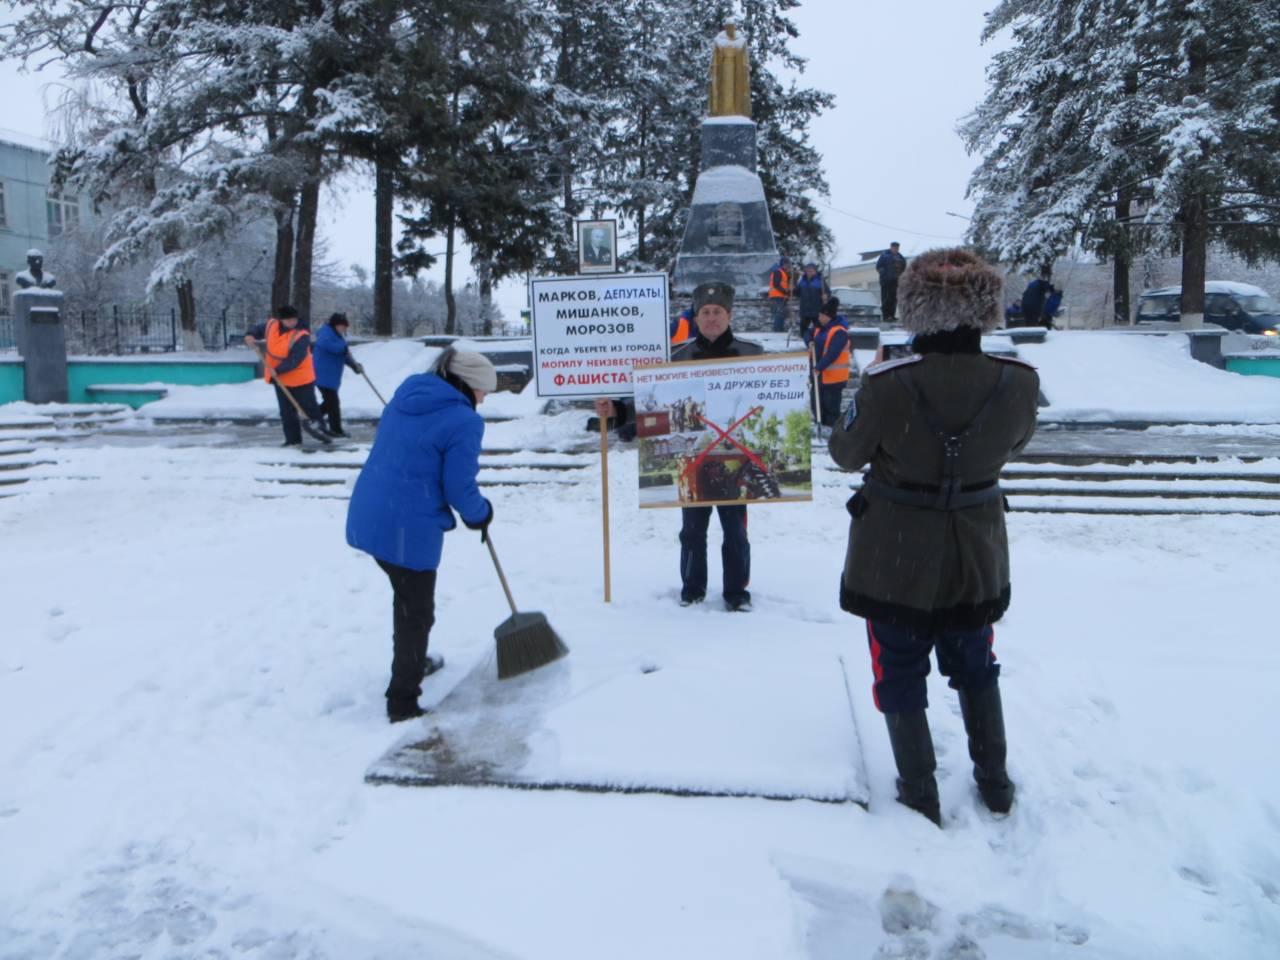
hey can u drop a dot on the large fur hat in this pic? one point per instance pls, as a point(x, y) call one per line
point(949, 289)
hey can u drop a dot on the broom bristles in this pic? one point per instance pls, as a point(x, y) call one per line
point(525, 646)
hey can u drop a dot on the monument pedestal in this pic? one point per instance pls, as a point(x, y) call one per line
point(41, 340)
point(728, 235)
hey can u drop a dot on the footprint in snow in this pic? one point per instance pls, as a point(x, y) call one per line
point(902, 910)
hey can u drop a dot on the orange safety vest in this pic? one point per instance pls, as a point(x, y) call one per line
point(279, 342)
point(838, 372)
point(779, 283)
point(683, 332)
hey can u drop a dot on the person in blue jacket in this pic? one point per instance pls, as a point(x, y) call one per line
point(422, 467)
point(331, 353)
point(1034, 297)
point(811, 293)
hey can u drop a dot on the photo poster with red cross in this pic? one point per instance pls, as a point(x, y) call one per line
point(724, 431)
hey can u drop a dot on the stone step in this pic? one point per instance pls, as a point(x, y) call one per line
point(24, 464)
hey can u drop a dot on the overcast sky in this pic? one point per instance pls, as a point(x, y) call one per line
point(902, 75)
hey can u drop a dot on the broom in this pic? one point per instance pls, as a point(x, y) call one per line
point(525, 641)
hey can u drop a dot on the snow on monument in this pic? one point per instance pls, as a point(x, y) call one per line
point(728, 234)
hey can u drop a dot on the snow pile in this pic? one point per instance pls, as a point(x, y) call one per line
point(387, 363)
point(1098, 376)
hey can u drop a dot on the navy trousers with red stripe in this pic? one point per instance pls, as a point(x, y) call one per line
point(900, 662)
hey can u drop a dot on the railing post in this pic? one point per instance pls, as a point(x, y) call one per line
point(173, 330)
point(115, 313)
point(224, 329)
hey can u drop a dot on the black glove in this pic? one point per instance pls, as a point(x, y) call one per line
point(483, 525)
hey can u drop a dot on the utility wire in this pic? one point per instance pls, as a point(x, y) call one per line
point(886, 226)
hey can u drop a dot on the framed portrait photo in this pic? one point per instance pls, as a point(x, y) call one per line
point(597, 246)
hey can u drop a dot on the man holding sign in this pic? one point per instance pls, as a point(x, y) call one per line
point(712, 314)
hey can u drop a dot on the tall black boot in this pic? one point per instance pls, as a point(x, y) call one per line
point(984, 723)
point(913, 753)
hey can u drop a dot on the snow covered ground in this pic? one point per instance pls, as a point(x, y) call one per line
point(191, 680)
point(1089, 376)
point(386, 364)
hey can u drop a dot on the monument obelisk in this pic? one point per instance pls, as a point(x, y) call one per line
point(728, 234)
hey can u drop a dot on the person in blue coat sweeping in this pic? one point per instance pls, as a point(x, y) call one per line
point(421, 469)
point(331, 353)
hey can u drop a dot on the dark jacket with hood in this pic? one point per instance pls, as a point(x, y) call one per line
point(920, 567)
point(423, 465)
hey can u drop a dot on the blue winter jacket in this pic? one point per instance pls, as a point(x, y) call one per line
point(812, 292)
point(1034, 296)
point(424, 460)
point(328, 356)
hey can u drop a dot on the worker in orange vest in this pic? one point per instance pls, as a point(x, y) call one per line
point(288, 353)
point(780, 293)
point(682, 327)
point(831, 359)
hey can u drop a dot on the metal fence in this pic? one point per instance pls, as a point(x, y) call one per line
point(123, 330)
point(6, 331)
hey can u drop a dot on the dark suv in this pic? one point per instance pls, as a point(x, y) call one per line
point(1234, 306)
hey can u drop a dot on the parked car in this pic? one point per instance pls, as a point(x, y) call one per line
point(860, 306)
point(1235, 306)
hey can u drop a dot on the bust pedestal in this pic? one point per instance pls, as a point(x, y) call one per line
point(41, 340)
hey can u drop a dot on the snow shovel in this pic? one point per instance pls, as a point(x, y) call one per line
point(525, 641)
point(303, 419)
point(372, 387)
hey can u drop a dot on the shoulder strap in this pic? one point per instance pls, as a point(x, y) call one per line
point(931, 416)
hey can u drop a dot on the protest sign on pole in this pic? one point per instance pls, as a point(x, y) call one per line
point(589, 335)
point(588, 332)
point(724, 431)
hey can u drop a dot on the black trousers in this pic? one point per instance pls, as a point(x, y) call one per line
point(413, 611)
point(830, 394)
point(888, 300)
point(332, 408)
point(306, 397)
point(900, 663)
point(805, 324)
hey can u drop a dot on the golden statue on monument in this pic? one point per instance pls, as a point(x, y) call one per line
point(730, 92)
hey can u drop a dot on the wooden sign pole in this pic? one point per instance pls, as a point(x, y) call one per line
point(817, 392)
point(604, 500)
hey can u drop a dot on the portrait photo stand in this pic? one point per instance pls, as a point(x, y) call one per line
point(597, 246)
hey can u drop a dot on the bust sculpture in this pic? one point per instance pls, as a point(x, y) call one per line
point(730, 90)
point(34, 275)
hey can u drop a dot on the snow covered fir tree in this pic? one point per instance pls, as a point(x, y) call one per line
point(1123, 126)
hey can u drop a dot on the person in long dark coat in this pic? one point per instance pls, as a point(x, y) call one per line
point(927, 565)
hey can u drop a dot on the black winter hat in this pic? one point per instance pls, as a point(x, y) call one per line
point(715, 291)
point(338, 319)
point(831, 307)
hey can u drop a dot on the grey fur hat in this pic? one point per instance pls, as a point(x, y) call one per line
point(473, 369)
point(947, 289)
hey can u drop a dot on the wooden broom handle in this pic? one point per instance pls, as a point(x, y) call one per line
point(488, 540)
point(272, 370)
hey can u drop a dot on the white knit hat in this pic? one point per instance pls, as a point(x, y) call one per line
point(473, 369)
